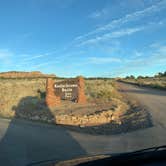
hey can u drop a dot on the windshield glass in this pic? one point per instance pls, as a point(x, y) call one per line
point(81, 78)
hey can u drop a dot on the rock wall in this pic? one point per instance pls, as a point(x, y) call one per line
point(98, 118)
point(51, 99)
point(81, 91)
point(86, 120)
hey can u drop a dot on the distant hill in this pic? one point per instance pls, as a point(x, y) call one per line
point(20, 74)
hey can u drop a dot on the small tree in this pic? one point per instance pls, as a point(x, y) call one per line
point(160, 74)
point(132, 77)
point(140, 77)
point(164, 73)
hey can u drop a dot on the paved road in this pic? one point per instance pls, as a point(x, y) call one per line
point(154, 100)
point(24, 142)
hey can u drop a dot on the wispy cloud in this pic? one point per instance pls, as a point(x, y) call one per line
point(103, 60)
point(41, 65)
point(108, 32)
point(114, 34)
point(157, 57)
point(33, 57)
point(5, 56)
point(127, 18)
point(99, 14)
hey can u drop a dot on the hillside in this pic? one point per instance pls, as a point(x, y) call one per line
point(18, 74)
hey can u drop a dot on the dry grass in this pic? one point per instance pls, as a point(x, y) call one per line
point(103, 90)
point(159, 83)
point(13, 90)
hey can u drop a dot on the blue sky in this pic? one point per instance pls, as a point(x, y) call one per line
point(83, 37)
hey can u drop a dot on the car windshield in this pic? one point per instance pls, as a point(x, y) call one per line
point(81, 78)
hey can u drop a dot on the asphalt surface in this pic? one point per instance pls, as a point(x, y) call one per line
point(23, 142)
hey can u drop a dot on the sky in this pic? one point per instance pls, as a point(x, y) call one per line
point(93, 38)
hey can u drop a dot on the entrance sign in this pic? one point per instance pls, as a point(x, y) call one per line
point(69, 89)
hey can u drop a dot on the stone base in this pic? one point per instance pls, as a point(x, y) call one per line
point(81, 95)
point(51, 99)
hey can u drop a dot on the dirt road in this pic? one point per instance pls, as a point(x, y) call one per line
point(23, 142)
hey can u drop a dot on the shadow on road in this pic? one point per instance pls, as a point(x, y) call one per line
point(26, 142)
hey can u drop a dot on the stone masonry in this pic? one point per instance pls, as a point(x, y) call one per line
point(81, 94)
point(51, 99)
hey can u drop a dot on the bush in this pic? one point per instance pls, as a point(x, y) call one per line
point(101, 89)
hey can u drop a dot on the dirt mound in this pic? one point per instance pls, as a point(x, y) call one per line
point(17, 74)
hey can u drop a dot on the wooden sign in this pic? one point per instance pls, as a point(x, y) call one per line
point(67, 90)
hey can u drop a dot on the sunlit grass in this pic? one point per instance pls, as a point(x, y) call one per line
point(103, 90)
